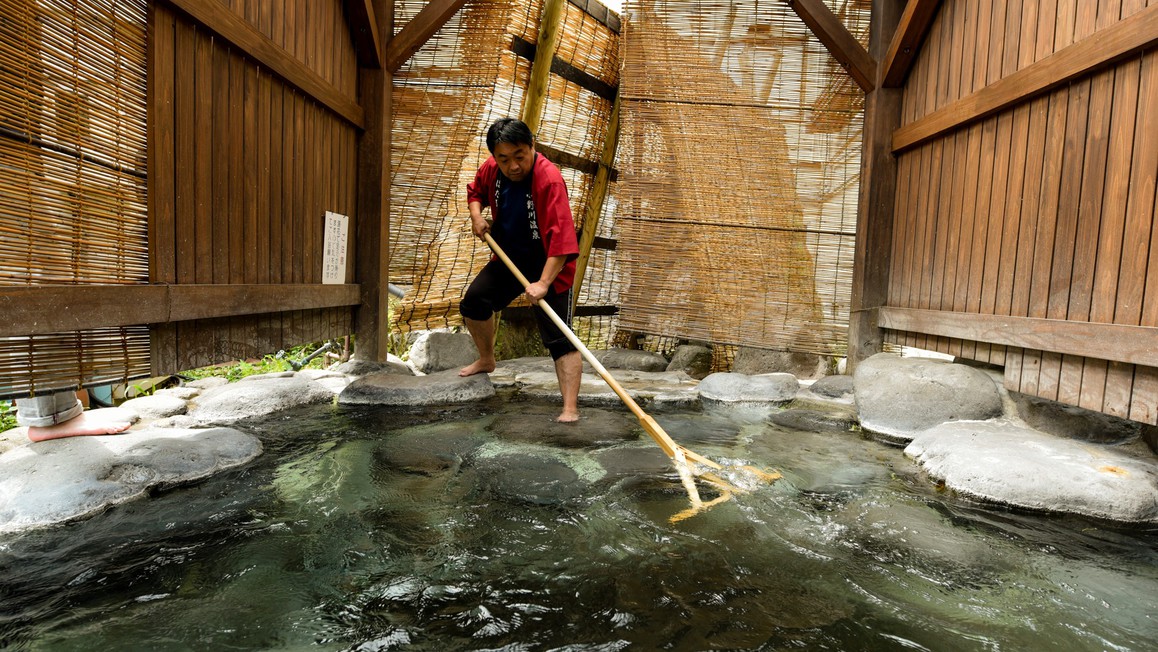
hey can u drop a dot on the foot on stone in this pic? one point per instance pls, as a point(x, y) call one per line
point(108, 421)
point(568, 416)
point(477, 367)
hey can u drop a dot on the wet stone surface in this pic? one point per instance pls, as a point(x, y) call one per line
point(536, 424)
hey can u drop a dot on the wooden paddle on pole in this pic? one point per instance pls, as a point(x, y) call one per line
point(673, 450)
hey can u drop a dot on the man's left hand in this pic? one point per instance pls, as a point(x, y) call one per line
point(536, 291)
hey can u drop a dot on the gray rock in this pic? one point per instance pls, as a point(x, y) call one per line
point(753, 361)
point(692, 359)
point(236, 401)
point(833, 387)
point(185, 393)
point(66, 479)
point(427, 450)
point(812, 421)
point(268, 376)
point(357, 367)
point(525, 478)
point(899, 397)
point(209, 382)
point(631, 359)
point(634, 461)
point(434, 389)
point(157, 406)
point(1013, 465)
point(742, 388)
point(435, 351)
point(537, 425)
point(1075, 422)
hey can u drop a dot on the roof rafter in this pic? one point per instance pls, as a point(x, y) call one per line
point(907, 40)
point(418, 31)
point(363, 28)
point(843, 46)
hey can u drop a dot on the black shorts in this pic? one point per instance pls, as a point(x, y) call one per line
point(496, 287)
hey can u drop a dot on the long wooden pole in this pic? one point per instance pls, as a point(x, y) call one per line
point(649, 424)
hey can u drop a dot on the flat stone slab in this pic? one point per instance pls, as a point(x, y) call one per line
point(807, 420)
point(157, 406)
point(833, 387)
point(1000, 462)
point(632, 359)
point(432, 389)
point(356, 367)
point(898, 398)
point(645, 387)
point(732, 388)
point(56, 481)
point(596, 427)
point(229, 403)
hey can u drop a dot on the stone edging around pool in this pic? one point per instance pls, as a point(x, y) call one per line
point(955, 421)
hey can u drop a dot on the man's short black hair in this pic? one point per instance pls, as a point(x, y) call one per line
point(509, 130)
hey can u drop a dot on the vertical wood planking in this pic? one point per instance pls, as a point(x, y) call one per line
point(1052, 363)
point(203, 158)
point(1140, 212)
point(1094, 253)
point(1043, 13)
point(1079, 127)
point(162, 198)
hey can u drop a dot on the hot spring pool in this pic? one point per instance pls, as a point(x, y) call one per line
point(487, 527)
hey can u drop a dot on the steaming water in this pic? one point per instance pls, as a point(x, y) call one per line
point(374, 530)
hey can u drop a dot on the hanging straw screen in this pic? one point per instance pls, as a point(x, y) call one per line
point(471, 73)
point(72, 178)
point(739, 149)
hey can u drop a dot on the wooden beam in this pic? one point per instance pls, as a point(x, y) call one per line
point(569, 160)
point(35, 310)
point(372, 221)
point(847, 51)
point(581, 78)
point(907, 40)
point(418, 31)
point(1116, 342)
point(595, 203)
point(878, 189)
point(1104, 48)
point(550, 31)
point(363, 28)
point(221, 20)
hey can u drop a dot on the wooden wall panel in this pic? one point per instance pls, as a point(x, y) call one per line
point(1044, 209)
point(256, 164)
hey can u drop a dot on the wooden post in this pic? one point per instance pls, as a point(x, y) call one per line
point(878, 186)
point(598, 194)
point(550, 30)
point(371, 326)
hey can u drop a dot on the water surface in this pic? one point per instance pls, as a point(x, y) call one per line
point(486, 527)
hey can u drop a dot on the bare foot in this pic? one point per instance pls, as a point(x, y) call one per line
point(477, 367)
point(108, 421)
point(568, 417)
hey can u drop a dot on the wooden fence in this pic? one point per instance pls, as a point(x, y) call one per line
point(1023, 227)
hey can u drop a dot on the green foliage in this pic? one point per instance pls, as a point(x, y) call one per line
point(518, 341)
point(235, 371)
point(7, 415)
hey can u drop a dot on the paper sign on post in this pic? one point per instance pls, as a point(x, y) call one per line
point(334, 248)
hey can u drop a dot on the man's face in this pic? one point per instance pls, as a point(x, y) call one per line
point(515, 161)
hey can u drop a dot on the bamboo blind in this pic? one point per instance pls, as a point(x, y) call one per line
point(740, 155)
point(445, 97)
point(72, 177)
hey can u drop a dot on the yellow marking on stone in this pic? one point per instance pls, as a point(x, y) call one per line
point(1116, 470)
